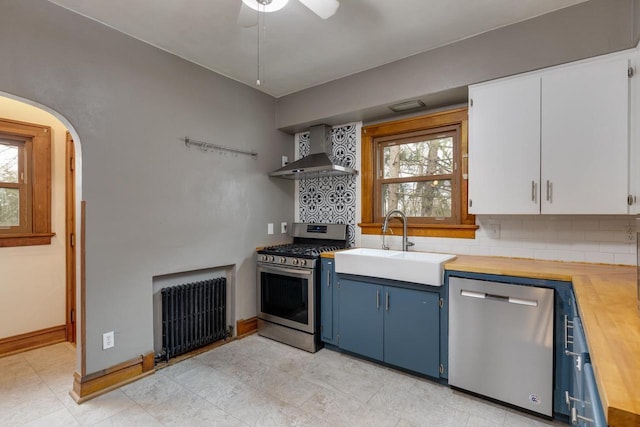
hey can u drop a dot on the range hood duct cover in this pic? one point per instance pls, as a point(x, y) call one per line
point(320, 161)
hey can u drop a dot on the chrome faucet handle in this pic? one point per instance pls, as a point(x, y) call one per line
point(385, 247)
point(409, 244)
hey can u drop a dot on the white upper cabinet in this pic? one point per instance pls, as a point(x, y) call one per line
point(504, 147)
point(585, 138)
point(634, 128)
point(552, 142)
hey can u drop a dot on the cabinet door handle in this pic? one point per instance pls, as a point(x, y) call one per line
point(574, 416)
point(328, 279)
point(386, 301)
point(568, 339)
point(549, 191)
point(568, 399)
point(534, 192)
point(377, 299)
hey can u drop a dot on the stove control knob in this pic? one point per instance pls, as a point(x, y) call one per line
point(270, 258)
point(282, 260)
point(303, 262)
point(262, 257)
point(294, 261)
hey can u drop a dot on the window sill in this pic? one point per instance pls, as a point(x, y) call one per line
point(459, 231)
point(26, 239)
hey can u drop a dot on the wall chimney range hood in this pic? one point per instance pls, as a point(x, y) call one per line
point(320, 161)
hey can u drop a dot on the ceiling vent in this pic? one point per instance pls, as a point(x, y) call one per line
point(403, 107)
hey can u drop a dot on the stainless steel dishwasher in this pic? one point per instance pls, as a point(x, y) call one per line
point(501, 342)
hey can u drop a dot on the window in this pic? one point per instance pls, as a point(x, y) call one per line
point(25, 182)
point(416, 165)
point(15, 188)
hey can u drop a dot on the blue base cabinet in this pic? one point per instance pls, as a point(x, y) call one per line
point(361, 318)
point(412, 330)
point(399, 325)
point(592, 412)
point(584, 401)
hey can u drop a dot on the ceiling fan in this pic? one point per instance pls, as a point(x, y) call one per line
point(248, 16)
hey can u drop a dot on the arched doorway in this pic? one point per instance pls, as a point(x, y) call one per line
point(40, 295)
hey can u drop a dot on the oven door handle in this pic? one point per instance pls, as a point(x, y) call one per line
point(285, 270)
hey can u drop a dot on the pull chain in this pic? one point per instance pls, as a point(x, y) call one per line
point(258, 44)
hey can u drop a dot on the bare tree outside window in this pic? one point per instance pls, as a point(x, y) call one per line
point(9, 180)
point(417, 175)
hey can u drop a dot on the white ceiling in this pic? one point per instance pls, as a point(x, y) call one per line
point(300, 50)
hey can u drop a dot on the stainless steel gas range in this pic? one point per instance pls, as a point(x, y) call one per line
point(289, 284)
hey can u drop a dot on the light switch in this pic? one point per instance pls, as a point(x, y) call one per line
point(270, 228)
point(283, 227)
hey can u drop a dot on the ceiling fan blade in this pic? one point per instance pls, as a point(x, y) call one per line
point(247, 17)
point(323, 8)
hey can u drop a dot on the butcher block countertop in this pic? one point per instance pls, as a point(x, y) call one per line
point(606, 297)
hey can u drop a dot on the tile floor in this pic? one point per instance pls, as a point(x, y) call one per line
point(249, 382)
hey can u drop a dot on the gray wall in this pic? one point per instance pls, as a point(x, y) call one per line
point(153, 206)
point(440, 76)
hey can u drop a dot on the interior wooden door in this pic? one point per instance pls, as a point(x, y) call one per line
point(70, 233)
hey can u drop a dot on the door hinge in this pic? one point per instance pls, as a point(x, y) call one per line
point(72, 240)
point(471, 102)
point(441, 368)
point(72, 316)
point(71, 164)
point(441, 302)
point(630, 200)
point(630, 72)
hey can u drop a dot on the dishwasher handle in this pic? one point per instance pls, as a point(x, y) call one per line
point(501, 298)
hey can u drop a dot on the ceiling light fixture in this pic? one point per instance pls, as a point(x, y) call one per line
point(266, 5)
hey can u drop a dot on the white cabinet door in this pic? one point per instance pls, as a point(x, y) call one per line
point(634, 142)
point(585, 138)
point(504, 147)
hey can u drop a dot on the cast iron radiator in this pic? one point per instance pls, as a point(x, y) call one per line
point(193, 315)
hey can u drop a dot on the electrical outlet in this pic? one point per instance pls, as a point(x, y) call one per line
point(283, 227)
point(108, 340)
point(285, 160)
point(493, 230)
point(631, 234)
point(270, 228)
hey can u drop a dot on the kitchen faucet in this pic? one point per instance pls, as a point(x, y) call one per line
point(385, 225)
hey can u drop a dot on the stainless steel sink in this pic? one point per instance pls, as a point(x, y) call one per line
point(417, 267)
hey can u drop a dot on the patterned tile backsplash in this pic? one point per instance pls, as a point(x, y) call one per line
point(331, 199)
point(598, 239)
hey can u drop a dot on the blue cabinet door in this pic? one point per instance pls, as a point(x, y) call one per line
point(592, 412)
point(326, 301)
point(412, 330)
point(360, 318)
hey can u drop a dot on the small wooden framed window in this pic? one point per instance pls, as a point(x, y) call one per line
point(15, 184)
point(25, 184)
point(416, 174)
point(417, 165)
